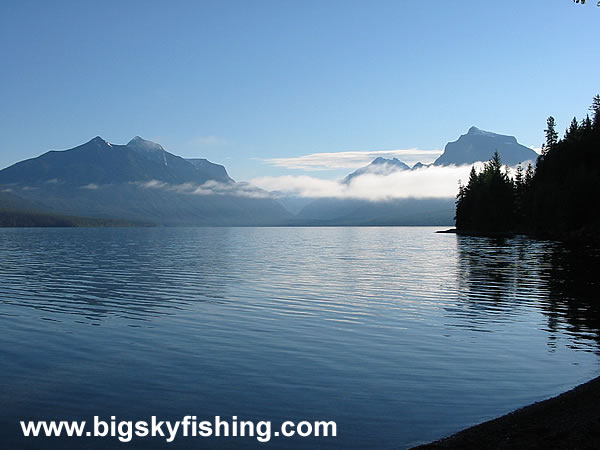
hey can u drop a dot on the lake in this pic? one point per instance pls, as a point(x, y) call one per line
point(398, 334)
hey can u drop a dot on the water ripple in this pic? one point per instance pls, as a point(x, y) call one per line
point(422, 333)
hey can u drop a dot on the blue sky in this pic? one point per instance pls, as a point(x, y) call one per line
point(243, 83)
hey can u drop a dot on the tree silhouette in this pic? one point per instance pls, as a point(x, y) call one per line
point(486, 203)
point(551, 135)
point(573, 130)
point(595, 108)
point(558, 198)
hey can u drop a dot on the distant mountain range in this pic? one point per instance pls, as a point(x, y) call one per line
point(476, 145)
point(141, 182)
point(404, 211)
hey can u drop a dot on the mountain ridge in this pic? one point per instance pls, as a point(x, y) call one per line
point(100, 162)
point(379, 166)
point(139, 181)
point(480, 145)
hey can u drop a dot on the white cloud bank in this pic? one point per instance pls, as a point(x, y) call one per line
point(352, 160)
point(427, 182)
point(211, 187)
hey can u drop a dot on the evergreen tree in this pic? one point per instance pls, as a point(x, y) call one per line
point(559, 197)
point(586, 124)
point(486, 203)
point(595, 108)
point(519, 181)
point(551, 136)
point(519, 187)
point(573, 130)
point(529, 173)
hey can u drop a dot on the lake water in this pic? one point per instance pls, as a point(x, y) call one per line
point(400, 335)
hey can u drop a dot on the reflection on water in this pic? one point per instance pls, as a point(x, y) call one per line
point(100, 273)
point(401, 335)
point(573, 293)
point(498, 278)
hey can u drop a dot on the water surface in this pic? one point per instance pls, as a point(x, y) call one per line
point(400, 335)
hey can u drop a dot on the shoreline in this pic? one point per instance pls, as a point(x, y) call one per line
point(569, 420)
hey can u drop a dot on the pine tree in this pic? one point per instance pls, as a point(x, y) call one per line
point(558, 197)
point(487, 202)
point(586, 124)
point(573, 130)
point(551, 136)
point(519, 176)
point(595, 108)
point(529, 173)
point(519, 188)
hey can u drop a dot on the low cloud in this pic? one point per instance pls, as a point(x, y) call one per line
point(152, 184)
point(211, 187)
point(427, 182)
point(352, 160)
point(91, 187)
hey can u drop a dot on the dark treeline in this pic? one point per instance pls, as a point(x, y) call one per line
point(559, 196)
point(26, 219)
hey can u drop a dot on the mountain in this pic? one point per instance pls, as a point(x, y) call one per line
point(212, 170)
point(18, 212)
point(140, 182)
point(379, 166)
point(201, 170)
point(349, 211)
point(419, 165)
point(100, 162)
point(480, 145)
point(11, 202)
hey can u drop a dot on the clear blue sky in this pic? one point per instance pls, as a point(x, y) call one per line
point(240, 82)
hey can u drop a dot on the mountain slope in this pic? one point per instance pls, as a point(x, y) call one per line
point(379, 166)
point(408, 211)
point(210, 170)
point(480, 145)
point(139, 181)
point(11, 202)
point(99, 162)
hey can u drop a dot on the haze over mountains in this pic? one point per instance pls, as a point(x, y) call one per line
point(139, 181)
point(142, 182)
point(476, 145)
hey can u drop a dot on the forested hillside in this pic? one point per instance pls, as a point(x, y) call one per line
point(560, 195)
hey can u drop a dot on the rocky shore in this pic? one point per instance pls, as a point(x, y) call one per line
point(568, 421)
